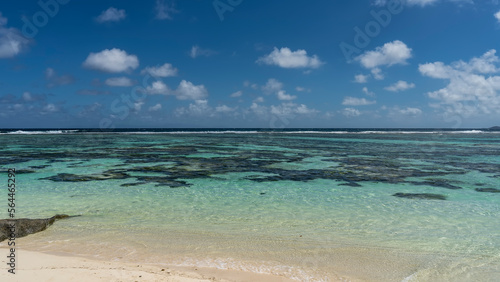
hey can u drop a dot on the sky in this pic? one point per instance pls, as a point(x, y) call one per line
point(249, 63)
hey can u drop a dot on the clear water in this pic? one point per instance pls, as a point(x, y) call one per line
point(309, 206)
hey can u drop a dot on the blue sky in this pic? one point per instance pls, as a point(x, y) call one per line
point(242, 63)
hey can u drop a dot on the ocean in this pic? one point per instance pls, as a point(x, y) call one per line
point(307, 204)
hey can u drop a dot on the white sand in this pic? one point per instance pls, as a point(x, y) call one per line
point(35, 266)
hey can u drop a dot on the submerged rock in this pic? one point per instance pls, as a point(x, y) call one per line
point(68, 177)
point(488, 190)
point(25, 226)
point(24, 171)
point(436, 183)
point(351, 184)
point(425, 196)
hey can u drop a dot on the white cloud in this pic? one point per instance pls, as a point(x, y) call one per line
point(199, 108)
point(258, 100)
point(272, 86)
point(119, 82)
point(196, 51)
point(113, 61)
point(411, 111)
point(286, 58)
point(291, 109)
point(436, 70)
point(302, 89)
point(285, 97)
point(185, 91)
point(49, 108)
point(377, 74)
point(158, 87)
point(304, 110)
point(237, 94)
point(352, 101)
point(56, 80)
point(188, 91)
point(155, 108)
point(350, 112)
point(368, 92)
point(165, 70)
point(473, 89)
point(224, 109)
point(111, 15)
point(399, 114)
point(360, 78)
point(27, 97)
point(259, 110)
point(164, 10)
point(11, 40)
point(497, 16)
point(138, 106)
point(400, 86)
point(392, 53)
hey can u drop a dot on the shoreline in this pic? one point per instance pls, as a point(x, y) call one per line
point(41, 266)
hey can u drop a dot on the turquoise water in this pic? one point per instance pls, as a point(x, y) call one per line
point(310, 206)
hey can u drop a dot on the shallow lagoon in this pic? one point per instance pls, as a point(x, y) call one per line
point(312, 206)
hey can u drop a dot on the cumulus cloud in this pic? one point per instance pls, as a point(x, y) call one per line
point(185, 91)
point(352, 101)
point(411, 111)
point(158, 87)
point(111, 15)
point(119, 82)
point(368, 92)
point(199, 108)
point(360, 78)
point(351, 112)
point(112, 61)
point(27, 97)
point(155, 108)
point(56, 80)
point(237, 94)
point(197, 51)
point(302, 89)
point(287, 58)
point(377, 74)
point(290, 109)
point(189, 91)
point(400, 86)
point(285, 97)
point(165, 70)
point(392, 53)
point(93, 92)
point(224, 109)
point(273, 86)
point(258, 100)
point(399, 114)
point(11, 40)
point(473, 88)
point(164, 10)
point(138, 106)
point(497, 16)
point(49, 108)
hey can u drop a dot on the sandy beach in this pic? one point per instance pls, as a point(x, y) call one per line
point(36, 266)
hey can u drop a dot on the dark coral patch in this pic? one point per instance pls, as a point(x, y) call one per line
point(68, 177)
point(488, 190)
point(421, 196)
